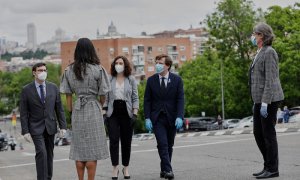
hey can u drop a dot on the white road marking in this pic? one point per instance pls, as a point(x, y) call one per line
point(281, 130)
point(218, 133)
point(28, 154)
point(28, 164)
point(191, 135)
point(153, 150)
point(204, 134)
point(237, 132)
point(179, 135)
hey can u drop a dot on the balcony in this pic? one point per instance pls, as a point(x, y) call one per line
point(138, 62)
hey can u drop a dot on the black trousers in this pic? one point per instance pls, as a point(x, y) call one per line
point(44, 145)
point(165, 135)
point(120, 129)
point(265, 135)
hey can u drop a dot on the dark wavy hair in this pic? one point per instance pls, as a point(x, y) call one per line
point(127, 68)
point(84, 54)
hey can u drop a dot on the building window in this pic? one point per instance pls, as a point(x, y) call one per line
point(183, 58)
point(182, 48)
point(139, 70)
point(140, 48)
point(150, 49)
point(172, 48)
point(159, 49)
point(150, 60)
point(150, 68)
point(125, 50)
point(174, 57)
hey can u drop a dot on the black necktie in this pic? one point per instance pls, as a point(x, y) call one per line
point(163, 85)
point(42, 93)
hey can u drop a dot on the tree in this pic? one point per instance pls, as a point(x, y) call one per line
point(201, 79)
point(139, 125)
point(230, 28)
point(11, 84)
point(285, 24)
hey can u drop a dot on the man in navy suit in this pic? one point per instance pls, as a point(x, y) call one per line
point(40, 109)
point(163, 107)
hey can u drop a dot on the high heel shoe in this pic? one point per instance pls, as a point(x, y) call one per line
point(125, 177)
point(116, 178)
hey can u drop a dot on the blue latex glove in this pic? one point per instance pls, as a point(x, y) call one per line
point(148, 124)
point(264, 111)
point(178, 123)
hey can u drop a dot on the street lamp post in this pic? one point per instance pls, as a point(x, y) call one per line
point(222, 90)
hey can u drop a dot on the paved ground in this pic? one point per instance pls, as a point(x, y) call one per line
point(226, 157)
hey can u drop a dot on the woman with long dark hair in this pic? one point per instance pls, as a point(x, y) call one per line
point(121, 107)
point(88, 80)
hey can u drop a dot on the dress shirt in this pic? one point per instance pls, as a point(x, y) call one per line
point(37, 85)
point(119, 93)
point(166, 79)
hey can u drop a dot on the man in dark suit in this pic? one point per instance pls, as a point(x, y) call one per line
point(40, 108)
point(266, 93)
point(163, 108)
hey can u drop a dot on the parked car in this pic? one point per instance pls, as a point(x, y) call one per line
point(295, 118)
point(245, 122)
point(3, 142)
point(143, 136)
point(294, 110)
point(214, 126)
point(230, 123)
point(200, 123)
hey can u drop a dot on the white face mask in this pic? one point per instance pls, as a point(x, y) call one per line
point(119, 68)
point(42, 76)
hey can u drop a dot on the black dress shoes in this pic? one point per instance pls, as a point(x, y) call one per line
point(268, 174)
point(259, 173)
point(162, 174)
point(167, 175)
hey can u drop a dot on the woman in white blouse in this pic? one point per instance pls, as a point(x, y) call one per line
point(120, 111)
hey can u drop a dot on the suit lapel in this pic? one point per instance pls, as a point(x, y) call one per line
point(113, 86)
point(170, 80)
point(126, 86)
point(258, 57)
point(48, 92)
point(157, 84)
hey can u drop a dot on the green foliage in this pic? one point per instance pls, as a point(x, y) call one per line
point(139, 125)
point(230, 28)
point(38, 54)
point(11, 84)
point(285, 24)
point(202, 87)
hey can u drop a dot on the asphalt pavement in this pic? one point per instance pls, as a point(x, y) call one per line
point(225, 157)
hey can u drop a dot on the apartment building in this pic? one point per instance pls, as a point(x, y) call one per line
point(140, 51)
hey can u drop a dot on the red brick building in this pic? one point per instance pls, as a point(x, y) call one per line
point(140, 52)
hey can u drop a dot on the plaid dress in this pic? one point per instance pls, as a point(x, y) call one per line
point(88, 132)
